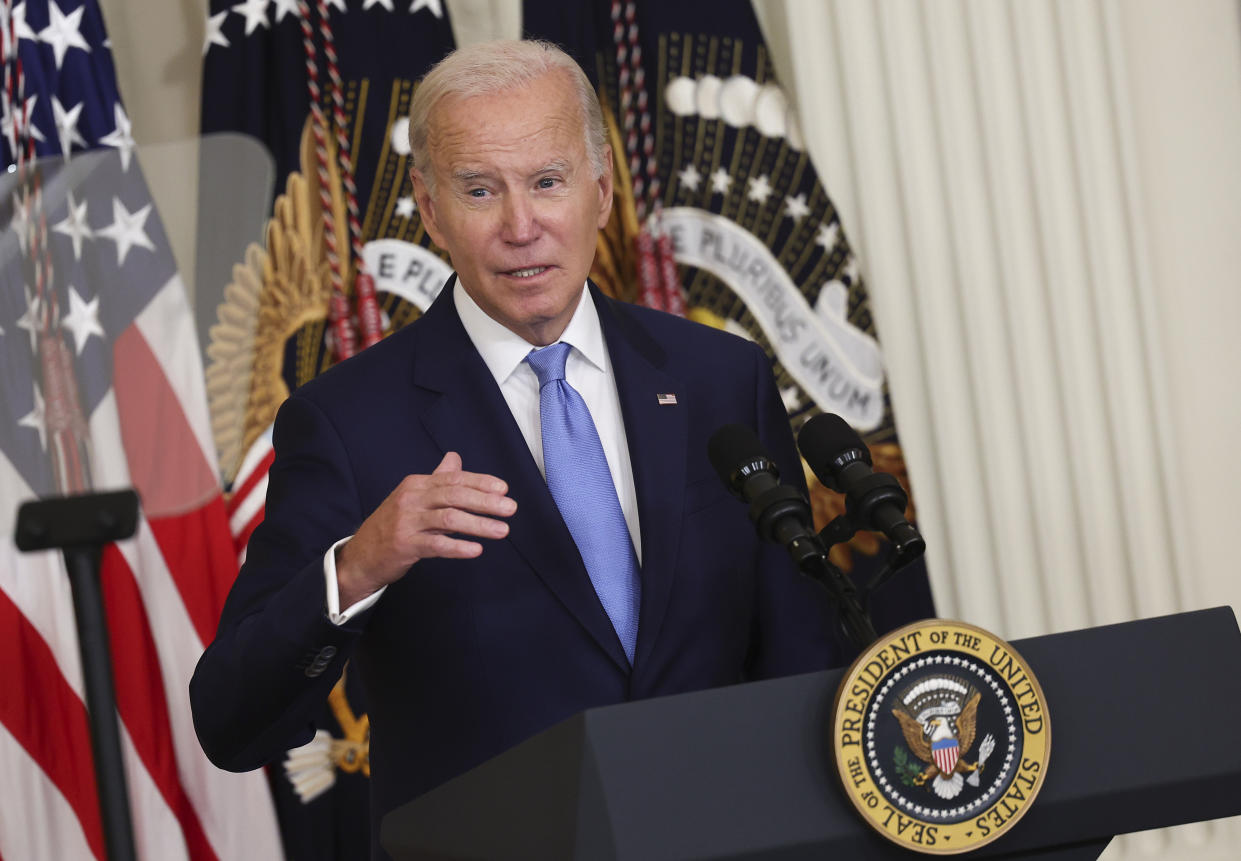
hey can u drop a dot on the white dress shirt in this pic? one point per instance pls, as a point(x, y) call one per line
point(588, 370)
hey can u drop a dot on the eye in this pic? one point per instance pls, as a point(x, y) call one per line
point(477, 193)
point(548, 182)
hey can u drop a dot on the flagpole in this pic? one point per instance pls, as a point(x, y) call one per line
point(79, 526)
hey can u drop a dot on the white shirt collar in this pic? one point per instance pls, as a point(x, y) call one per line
point(504, 350)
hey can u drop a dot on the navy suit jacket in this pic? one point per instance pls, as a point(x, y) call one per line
point(462, 659)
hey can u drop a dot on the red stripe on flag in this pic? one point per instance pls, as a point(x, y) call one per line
point(242, 538)
point(251, 480)
point(47, 718)
point(167, 467)
point(166, 462)
point(140, 695)
point(198, 549)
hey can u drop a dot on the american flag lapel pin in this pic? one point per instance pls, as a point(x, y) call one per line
point(666, 400)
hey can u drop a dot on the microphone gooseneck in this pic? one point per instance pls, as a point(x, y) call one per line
point(782, 514)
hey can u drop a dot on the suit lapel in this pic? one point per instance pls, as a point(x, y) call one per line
point(471, 417)
point(657, 437)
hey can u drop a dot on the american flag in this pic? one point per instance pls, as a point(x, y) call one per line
point(106, 290)
point(945, 752)
point(249, 493)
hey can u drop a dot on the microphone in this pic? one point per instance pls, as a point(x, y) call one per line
point(780, 513)
point(873, 500)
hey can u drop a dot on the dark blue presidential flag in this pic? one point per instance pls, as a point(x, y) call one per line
point(711, 161)
point(325, 86)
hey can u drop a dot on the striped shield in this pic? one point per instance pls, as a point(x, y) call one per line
point(945, 752)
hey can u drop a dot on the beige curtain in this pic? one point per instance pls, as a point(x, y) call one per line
point(1034, 189)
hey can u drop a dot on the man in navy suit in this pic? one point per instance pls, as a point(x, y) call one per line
point(409, 524)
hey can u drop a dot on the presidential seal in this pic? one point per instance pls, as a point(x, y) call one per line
point(941, 736)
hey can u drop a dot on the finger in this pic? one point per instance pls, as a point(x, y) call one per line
point(469, 499)
point(457, 522)
point(448, 547)
point(451, 462)
point(458, 477)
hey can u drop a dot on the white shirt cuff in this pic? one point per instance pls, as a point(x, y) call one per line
point(334, 613)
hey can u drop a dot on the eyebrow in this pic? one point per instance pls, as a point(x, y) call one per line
point(552, 167)
point(466, 175)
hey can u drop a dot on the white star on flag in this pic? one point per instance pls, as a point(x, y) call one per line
point(122, 136)
point(62, 32)
point(16, 23)
point(29, 320)
point(760, 189)
point(34, 418)
point(850, 269)
point(126, 230)
point(255, 12)
point(67, 125)
point(215, 31)
point(721, 181)
point(285, 7)
point(10, 118)
point(82, 319)
point(690, 177)
point(74, 226)
point(20, 223)
point(827, 236)
point(795, 207)
point(433, 6)
point(405, 207)
point(387, 4)
point(339, 4)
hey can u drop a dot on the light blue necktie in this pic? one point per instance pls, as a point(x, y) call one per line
point(580, 482)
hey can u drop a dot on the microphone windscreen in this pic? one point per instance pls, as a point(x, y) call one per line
point(730, 448)
point(824, 439)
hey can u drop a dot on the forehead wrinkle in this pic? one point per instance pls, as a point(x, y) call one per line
point(455, 133)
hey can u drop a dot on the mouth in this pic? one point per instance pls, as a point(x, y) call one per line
point(528, 272)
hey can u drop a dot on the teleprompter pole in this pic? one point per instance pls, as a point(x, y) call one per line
point(79, 526)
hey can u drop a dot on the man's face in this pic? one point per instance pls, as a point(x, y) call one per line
point(516, 203)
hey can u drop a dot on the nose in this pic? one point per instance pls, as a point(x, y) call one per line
point(521, 223)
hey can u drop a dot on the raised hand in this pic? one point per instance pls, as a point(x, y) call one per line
point(420, 519)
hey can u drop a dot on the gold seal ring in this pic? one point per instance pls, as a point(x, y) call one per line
point(941, 736)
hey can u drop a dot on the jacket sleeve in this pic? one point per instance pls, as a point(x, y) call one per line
point(276, 655)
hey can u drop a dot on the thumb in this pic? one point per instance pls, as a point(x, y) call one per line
point(450, 463)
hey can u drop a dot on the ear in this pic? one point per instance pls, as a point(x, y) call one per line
point(426, 206)
point(605, 189)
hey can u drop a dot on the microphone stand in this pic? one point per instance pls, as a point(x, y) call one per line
point(854, 619)
point(843, 528)
point(777, 513)
point(79, 526)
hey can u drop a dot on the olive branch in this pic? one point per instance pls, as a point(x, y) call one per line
point(906, 768)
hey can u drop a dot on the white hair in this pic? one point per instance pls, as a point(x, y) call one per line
point(489, 68)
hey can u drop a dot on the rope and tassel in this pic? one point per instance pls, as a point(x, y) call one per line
point(659, 284)
point(65, 426)
point(369, 325)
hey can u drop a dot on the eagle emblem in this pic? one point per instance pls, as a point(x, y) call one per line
point(938, 717)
